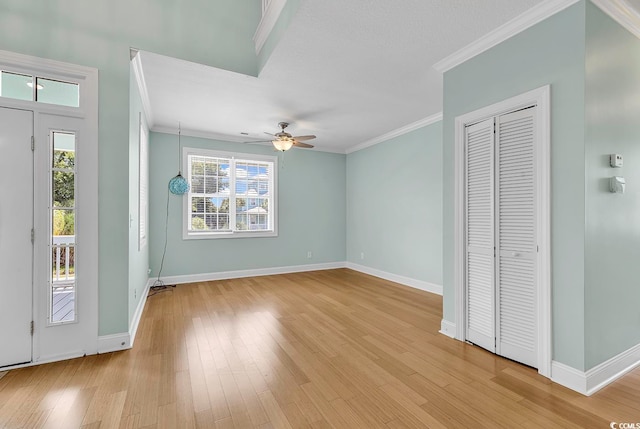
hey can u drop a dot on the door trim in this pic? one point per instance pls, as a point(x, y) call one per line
point(87, 190)
point(541, 98)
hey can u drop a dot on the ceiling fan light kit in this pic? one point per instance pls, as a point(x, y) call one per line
point(284, 141)
point(282, 145)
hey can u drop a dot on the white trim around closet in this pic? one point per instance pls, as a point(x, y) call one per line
point(541, 98)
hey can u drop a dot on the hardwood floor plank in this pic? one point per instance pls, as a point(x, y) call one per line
point(414, 410)
point(237, 408)
point(326, 349)
point(277, 417)
point(250, 398)
point(295, 417)
point(168, 416)
point(184, 400)
point(324, 407)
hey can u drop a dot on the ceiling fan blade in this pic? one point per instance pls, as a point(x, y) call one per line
point(268, 133)
point(300, 144)
point(304, 138)
point(257, 141)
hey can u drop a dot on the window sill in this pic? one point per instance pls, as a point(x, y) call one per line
point(230, 234)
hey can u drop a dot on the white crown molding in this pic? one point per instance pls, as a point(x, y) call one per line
point(210, 135)
point(406, 281)
point(142, 86)
point(622, 13)
point(520, 23)
point(269, 18)
point(397, 132)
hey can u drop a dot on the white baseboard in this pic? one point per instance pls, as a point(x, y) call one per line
point(407, 281)
point(607, 372)
point(596, 378)
point(569, 377)
point(133, 327)
point(124, 340)
point(448, 328)
point(226, 275)
point(114, 342)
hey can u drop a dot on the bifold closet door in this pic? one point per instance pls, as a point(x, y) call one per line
point(480, 268)
point(516, 248)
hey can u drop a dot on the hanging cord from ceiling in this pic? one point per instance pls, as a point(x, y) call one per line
point(159, 286)
point(177, 185)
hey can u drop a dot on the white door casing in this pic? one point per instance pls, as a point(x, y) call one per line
point(16, 248)
point(541, 98)
point(56, 342)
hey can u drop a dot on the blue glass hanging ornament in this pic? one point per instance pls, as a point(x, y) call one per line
point(179, 185)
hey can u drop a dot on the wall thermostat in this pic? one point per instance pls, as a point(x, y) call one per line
point(617, 184)
point(615, 160)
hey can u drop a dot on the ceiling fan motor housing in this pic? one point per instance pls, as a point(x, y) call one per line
point(282, 135)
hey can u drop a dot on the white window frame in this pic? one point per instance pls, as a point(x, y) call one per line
point(234, 157)
point(52, 208)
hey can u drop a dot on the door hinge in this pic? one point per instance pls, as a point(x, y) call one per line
point(33, 143)
point(33, 235)
point(32, 327)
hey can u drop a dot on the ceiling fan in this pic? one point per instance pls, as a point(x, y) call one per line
point(284, 141)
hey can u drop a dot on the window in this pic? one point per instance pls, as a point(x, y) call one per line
point(51, 91)
point(230, 195)
point(63, 234)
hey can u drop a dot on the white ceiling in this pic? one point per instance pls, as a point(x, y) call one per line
point(346, 71)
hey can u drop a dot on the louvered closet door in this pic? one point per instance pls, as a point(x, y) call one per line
point(479, 143)
point(516, 330)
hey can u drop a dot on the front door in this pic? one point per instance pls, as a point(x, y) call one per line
point(16, 246)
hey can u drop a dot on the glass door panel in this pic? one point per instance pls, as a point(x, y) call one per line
point(62, 207)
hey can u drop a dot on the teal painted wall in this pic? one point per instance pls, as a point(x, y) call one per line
point(551, 52)
point(311, 211)
point(138, 259)
point(612, 272)
point(99, 34)
point(394, 205)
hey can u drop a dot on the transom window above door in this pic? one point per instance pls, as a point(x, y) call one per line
point(28, 87)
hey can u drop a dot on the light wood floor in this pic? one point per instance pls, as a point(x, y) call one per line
point(324, 349)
